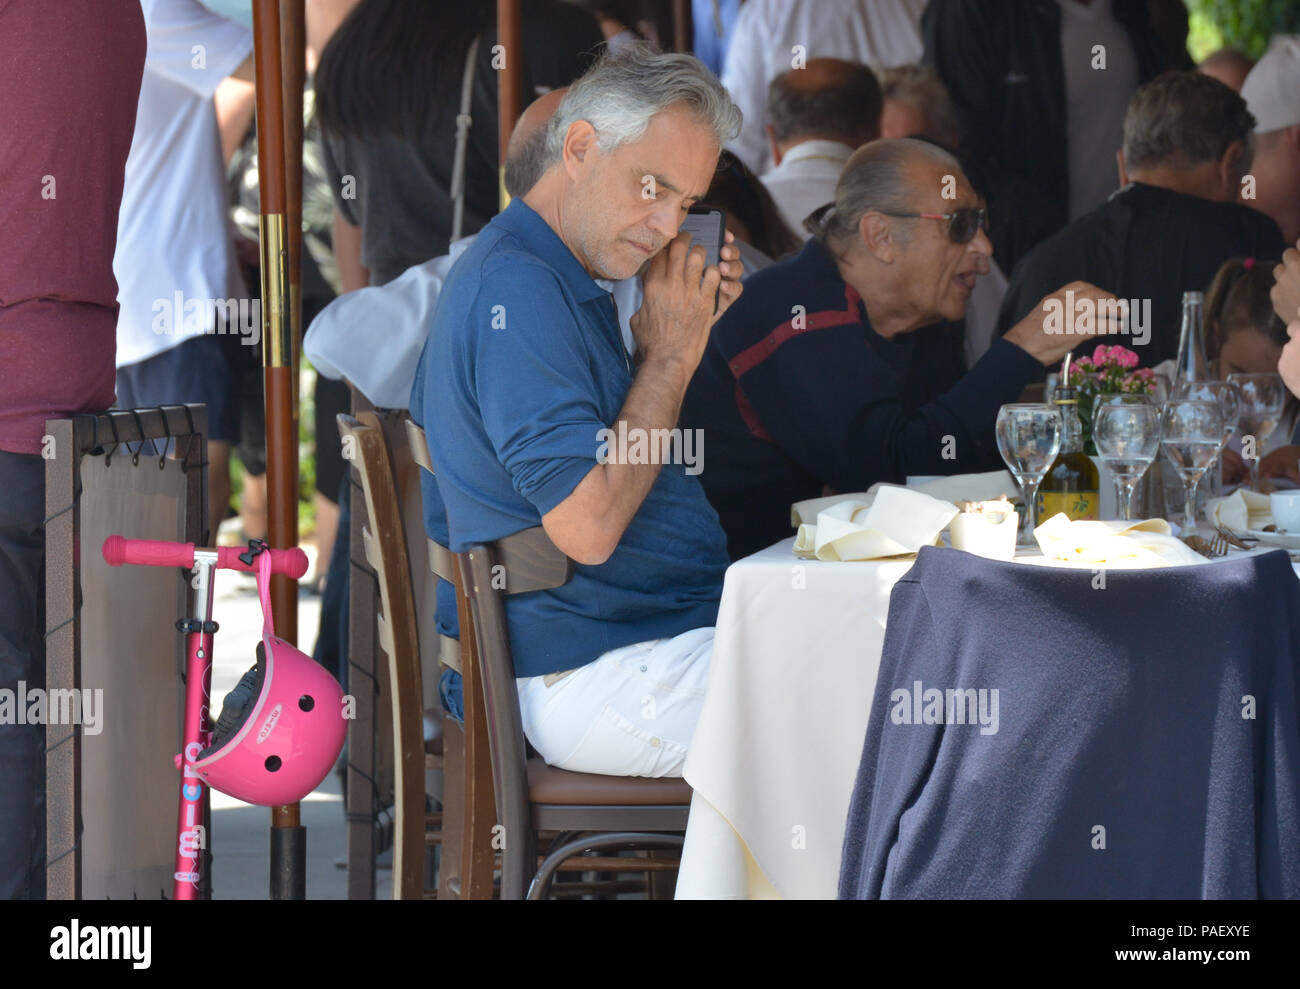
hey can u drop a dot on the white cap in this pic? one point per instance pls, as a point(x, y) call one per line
point(1272, 90)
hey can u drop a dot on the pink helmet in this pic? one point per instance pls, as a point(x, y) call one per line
point(282, 726)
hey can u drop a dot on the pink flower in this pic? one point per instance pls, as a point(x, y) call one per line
point(1099, 355)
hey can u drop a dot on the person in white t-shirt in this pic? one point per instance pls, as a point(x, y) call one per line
point(174, 261)
point(819, 116)
point(774, 36)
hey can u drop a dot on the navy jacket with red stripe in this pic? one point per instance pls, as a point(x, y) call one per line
point(796, 391)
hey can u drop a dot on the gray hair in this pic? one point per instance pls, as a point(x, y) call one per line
point(621, 93)
point(920, 87)
point(1184, 118)
point(524, 163)
point(875, 180)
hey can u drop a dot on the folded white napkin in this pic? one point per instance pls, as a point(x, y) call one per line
point(1124, 545)
point(896, 522)
point(969, 487)
point(959, 487)
point(1241, 510)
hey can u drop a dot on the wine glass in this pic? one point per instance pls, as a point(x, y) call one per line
point(1192, 433)
point(1029, 438)
point(1262, 397)
point(1227, 394)
point(1126, 430)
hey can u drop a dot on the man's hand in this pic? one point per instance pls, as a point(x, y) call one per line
point(1285, 293)
point(1235, 470)
point(1288, 364)
point(672, 326)
point(1031, 334)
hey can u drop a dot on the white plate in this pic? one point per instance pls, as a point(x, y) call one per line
point(1285, 540)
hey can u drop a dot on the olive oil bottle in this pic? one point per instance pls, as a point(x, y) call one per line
point(1072, 482)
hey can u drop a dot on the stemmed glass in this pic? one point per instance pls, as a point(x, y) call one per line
point(1126, 429)
point(1029, 438)
point(1226, 393)
point(1192, 433)
point(1262, 397)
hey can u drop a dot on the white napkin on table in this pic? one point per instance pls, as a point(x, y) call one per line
point(896, 522)
point(1146, 543)
point(1241, 510)
point(959, 487)
point(968, 487)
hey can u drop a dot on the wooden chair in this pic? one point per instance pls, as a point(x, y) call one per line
point(470, 812)
point(586, 812)
point(415, 828)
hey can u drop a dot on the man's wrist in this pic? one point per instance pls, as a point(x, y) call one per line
point(672, 368)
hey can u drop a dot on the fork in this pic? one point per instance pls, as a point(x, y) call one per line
point(1241, 542)
point(1218, 546)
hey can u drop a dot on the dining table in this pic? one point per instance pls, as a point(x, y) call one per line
point(775, 754)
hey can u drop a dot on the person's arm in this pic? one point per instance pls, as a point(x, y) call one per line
point(744, 76)
point(236, 102)
point(1289, 364)
point(847, 425)
point(1285, 293)
point(347, 254)
point(671, 329)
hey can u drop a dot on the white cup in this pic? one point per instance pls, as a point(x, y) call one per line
point(1285, 506)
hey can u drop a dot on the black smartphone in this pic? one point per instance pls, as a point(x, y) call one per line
point(707, 228)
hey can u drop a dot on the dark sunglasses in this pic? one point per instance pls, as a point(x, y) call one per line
point(963, 223)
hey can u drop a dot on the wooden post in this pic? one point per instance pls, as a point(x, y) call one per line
point(288, 837)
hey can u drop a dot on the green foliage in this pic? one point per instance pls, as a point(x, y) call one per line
point(1243, 24)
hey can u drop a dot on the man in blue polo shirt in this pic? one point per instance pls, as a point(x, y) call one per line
point(843, 365)
point(532, 406)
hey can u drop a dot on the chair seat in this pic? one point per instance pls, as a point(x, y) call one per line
point(548, 785)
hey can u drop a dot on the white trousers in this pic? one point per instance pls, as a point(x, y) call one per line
point(631, 712)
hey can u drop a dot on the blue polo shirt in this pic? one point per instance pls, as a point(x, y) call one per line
point(523, 369)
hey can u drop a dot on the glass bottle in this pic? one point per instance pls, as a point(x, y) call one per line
point(1072, 482)
point(1192, 364)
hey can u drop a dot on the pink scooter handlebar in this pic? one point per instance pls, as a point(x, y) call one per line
point(157, 553)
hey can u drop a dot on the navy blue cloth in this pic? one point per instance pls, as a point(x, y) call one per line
point(523, 373)
point(1158, 714)
point(797, 391)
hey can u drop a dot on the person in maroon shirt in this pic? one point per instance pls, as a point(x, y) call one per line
point(69, 80)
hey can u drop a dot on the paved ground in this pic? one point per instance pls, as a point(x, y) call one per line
point(240, 831)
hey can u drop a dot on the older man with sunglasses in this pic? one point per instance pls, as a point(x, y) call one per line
point(843, 366)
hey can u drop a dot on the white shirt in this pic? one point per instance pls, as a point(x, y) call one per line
point(1096, 99)
point(172, 231)
point(806, 179)
point(877, 33)
point(373, 337)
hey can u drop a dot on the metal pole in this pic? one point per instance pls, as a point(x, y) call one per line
point(509, 81)
point(288, 838)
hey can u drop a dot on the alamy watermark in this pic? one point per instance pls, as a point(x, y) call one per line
point(190, 317)
point(1092, 317)
point(636, 445)
point(36, 706)
point(932, 706)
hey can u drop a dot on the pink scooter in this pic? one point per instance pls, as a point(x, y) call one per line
point(293, 702)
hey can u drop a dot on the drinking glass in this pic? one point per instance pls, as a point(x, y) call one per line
point(1192, 432)
point(1228, 395)
point(1126, 430)
point(1262, 397)
point(1029, 438)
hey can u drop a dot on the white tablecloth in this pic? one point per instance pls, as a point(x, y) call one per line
point(775, 754)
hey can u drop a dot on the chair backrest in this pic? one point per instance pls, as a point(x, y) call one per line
point(523, 562)
point(385, 548)
point(469, 856)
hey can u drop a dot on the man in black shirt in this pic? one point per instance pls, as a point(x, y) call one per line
point(842, 366)
point(1172, 223)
